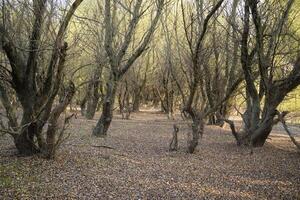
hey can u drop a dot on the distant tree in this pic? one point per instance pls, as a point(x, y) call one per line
point(94, 78)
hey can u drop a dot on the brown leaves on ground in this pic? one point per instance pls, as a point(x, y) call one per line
point(140, 167)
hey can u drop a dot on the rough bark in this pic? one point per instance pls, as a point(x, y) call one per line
point(93, 99)
point(36, 96)
point(197, 115)
point(136, 101)
point(115, 56)
point(6, 100)
point(107, 108)
point(53, 123)
point(259, 117)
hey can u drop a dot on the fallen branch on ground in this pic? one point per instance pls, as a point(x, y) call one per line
point(102, 146)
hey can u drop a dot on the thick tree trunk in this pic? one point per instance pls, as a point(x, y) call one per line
point(25, 145)
point(263, 130)
point(107, 109)
point(104, 122)
point(24, 142)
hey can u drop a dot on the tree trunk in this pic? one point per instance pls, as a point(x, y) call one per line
point(170, 104)
point(25, 145)
point(107, 109)
point(260, 135)
point(83, 105)
point(9, 107)
point(93, 98)
point(91, 107)
point(136, 102)
point(197, 132)
point(173, 146)
point(25, 140)
point(217, 118)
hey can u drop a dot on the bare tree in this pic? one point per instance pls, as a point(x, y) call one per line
point(225, 70)
point(36, 80)
point(262, 102)
point(196, 50)
point(118, 67)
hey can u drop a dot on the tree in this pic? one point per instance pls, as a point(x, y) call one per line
point(209, 81)
point(197, 57)
point(263, 62)
point(35, 77)
point(225, 70)
point(93, 74)
point(118, 67)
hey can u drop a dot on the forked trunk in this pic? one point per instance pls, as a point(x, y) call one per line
point(256, 134)
point(260, 135)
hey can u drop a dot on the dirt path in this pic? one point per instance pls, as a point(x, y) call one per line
point(140, 167)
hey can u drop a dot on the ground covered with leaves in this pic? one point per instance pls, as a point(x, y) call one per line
point(137, 165)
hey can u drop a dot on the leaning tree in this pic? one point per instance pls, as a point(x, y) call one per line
point(33, 74)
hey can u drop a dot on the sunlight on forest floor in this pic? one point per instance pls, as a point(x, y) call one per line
point(139, 165)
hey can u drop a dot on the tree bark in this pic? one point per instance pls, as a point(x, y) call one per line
point(197, 132)
point(91, 107)
point(36, 96)
point(136, 102)
point(93, 98)
point(107, 108)
point(24, 142)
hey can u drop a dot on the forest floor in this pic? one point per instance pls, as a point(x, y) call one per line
point(139, 165)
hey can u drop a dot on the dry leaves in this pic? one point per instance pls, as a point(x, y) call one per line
point(140, 167)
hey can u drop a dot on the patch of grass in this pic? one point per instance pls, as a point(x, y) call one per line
point(16, 179)
point(5, 180)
